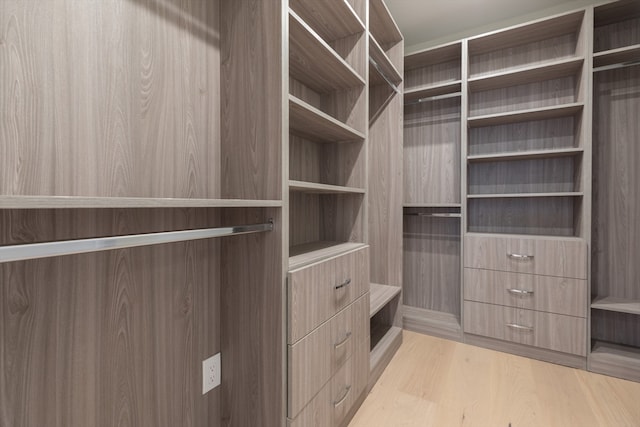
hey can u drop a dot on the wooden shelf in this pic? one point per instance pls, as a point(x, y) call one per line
point(381, 24)
point(380, 295)
point(517, 35)
point(611, 13)
point(309, 253)
point(615, 360)
point(314, 63)
point(435, 55)
point(523, 195)
point(620, 305)
point(616, 56)
point(388, 340)
point(386, 66)
point(526, 155)
point(437, 323)
point(315, 125)
point(533, 73)
point(331, 20)
point(432, 205)
point(527, 236)
point(414, 94)
point(74, 202)
point(526, 115)
point(317, 188)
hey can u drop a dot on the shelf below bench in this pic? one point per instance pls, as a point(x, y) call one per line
point(388, 340)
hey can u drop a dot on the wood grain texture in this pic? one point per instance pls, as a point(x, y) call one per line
point(552, 257)
point(381, 24)
point(316, 251)
point(354, 51)
point(545, 293)
point(622, 305)
point(317, 357)
point(556, 332)
point(435, 323)
point(526, 155)
point(377, 54)
point(383, 353)
point(525, 136)
point(432, 144)
point(431, 259)
point(615, 327)
point(616, 56)
point(117, 337)
point(615, 360)
point(315, 125)
point(435, 55)
point(625, 32)
point(331, 20)
point(313, 298)
point(380, 295)
point(432, 74)
point(516, 116)
point(131, 83)
point(543, 216)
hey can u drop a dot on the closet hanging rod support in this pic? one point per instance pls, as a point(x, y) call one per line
point(616, 66)
point(29, 251)
point(384, 76)
point(435, 98)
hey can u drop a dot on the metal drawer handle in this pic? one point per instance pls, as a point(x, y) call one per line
point(338, 402)
point(520, 327)
point(520, 292)
point(343, 284)
point(520, 257)
point(343, 342)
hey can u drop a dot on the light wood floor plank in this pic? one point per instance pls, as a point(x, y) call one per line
point(436, 382)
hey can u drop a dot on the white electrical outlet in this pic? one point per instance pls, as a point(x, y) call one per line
point(211, 373)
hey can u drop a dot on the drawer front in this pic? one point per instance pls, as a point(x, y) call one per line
point(319, 355)
point(332, 404)
point(558, 295)
point(318, 291)
point(557, 332)
point(550, 257)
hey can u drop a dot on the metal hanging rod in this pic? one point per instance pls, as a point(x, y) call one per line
point(435, 214)
point(384, 76)
point(81, 246)
point(435, 98)
point(616, 66)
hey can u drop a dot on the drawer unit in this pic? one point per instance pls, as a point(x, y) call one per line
point(558, 295)
point(332, 404)
point(550, 257)
point(545, 330)
point(318, 291)
point(319, 355)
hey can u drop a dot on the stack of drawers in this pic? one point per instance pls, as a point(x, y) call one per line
point(529, 291)
point(328, 351)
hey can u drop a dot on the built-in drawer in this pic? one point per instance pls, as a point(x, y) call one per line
point(560, 295)
point(557, 332)
point(319, 355)
point(332, 404)
point(551, 257)
point(318, 291)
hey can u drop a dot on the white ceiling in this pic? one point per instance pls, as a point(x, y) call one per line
point(424, 22)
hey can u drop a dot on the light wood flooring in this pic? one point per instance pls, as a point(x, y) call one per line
point(435, 382)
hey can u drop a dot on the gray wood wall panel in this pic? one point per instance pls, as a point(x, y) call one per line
point(616, 35)
point(433, 74)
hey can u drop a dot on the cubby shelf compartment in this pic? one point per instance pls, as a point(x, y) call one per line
point(331, 20)
point(316, 188)
point(313, 62)
point(75, 202)
point(315, 125)
point(381, 24)
point(525, 155)
point(384, 66)
point(617, 56)
point(526, 115)
point(380, 295)
point(620, 305)
point(387, 340)
point(308, 253)
point(524, 195)
point(616, 360)
point(522, 75)
point(417, 93)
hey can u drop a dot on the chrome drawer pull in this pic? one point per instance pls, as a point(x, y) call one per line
point(338, 402)
point(341, 343)
point(343, 284)
point(520, 292)
point(520, 257)
point(520, 327)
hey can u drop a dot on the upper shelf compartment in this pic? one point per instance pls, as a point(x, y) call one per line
point(332, 20)
point(616, 34)
point(381, 66)
point(525, 45)
point(433, 72)
point(313, 62)
point(382, 26)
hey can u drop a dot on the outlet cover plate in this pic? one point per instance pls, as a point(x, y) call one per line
point(211, 373)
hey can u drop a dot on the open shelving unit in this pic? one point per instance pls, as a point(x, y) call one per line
point(615, 308)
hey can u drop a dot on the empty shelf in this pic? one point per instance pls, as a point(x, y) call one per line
point(525, 115)
point(331, 20)
point(315, 125)
point(526, 155)
point(309, 253)
point(382, 25)
point(616, 56)
point(314, 63)
point(524, 195)
point(533, 73)
point(380, 295)
point(435, 55)
point(432, 205)
point(428, 91)
point(620, 305)
point(69, 202)
point(615, 360)
point(317, 188)
point(387, 339)
point(384, 63)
